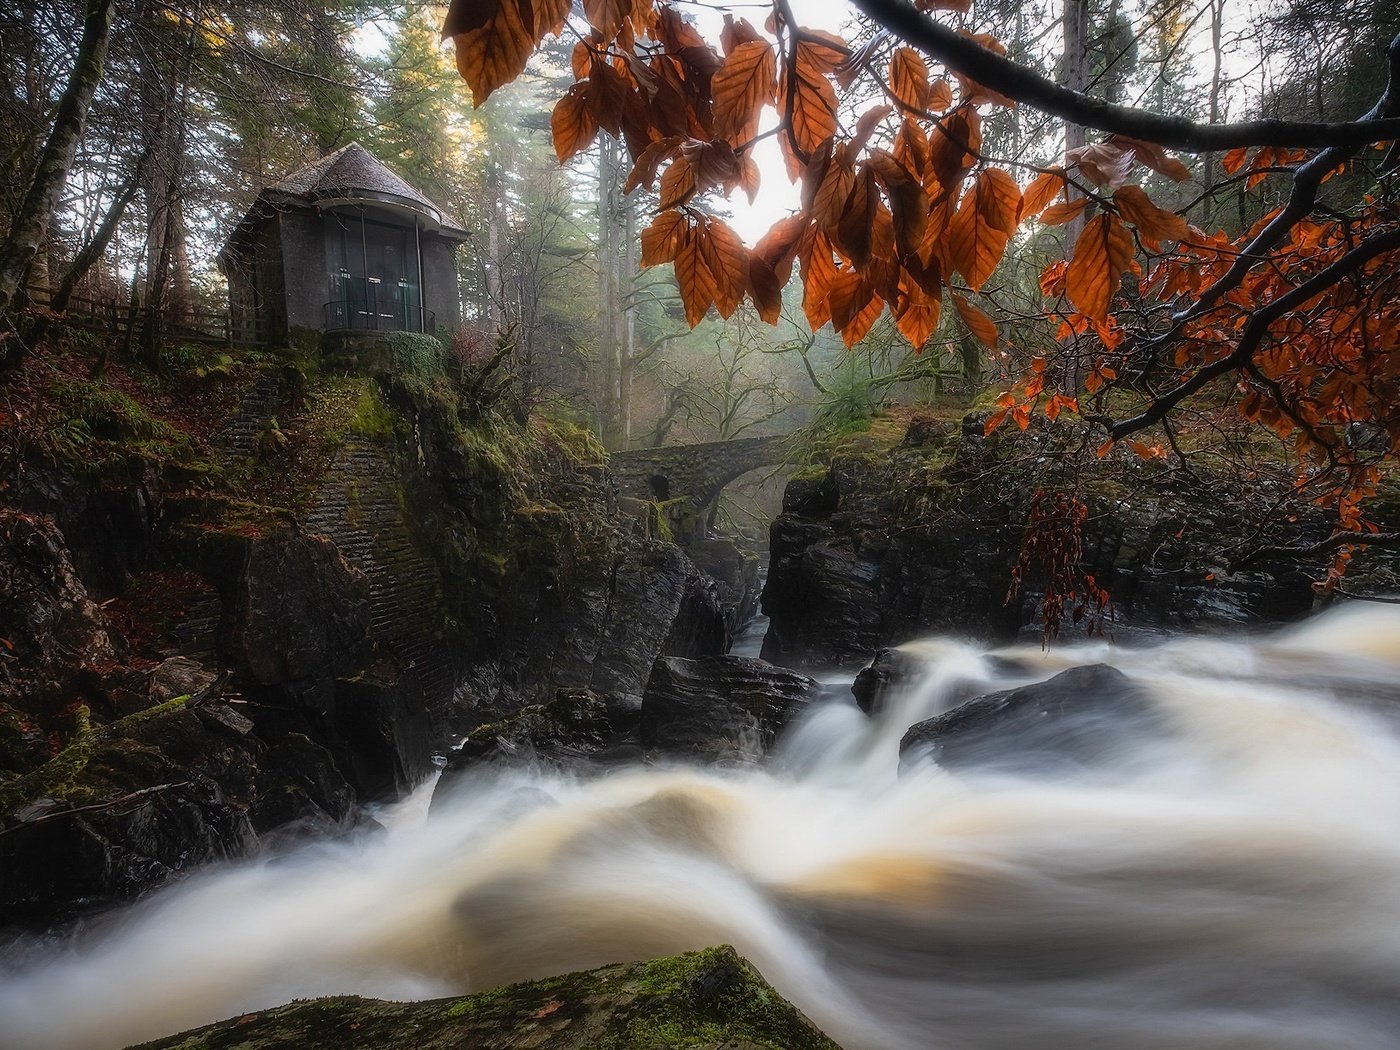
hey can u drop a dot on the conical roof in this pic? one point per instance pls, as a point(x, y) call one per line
point(352, 173)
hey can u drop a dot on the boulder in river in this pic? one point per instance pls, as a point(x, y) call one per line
point(1079, 719)
point(710, 999)
point(720, 707)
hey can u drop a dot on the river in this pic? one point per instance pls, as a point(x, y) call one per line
point(1231, 880)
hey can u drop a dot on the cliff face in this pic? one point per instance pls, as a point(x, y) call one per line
point(334, 576)
point(914, 528)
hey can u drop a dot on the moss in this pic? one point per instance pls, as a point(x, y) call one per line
point(709, 999)
point(371, 418)
point(58, 777)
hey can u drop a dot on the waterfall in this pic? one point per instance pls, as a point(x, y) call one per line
point(1227, 878)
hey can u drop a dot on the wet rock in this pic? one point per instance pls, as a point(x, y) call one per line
point(54, 632)
point(1080, 719)
point(712, 999)
point(737, 573)
point(569, 728)
point(720, 708)
point(891, 670)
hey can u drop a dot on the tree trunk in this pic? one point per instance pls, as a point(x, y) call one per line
point(1076, 60)
point(31, 222)
point(92, 251)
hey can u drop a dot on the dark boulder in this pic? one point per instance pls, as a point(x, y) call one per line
point(1080, 719)
point(720, 708)
point(890, 671)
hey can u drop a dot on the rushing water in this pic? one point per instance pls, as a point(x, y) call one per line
point(1232, 881)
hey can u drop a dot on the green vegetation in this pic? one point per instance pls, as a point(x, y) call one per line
point(709, 999)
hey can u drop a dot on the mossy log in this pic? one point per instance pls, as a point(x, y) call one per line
point(709, 999)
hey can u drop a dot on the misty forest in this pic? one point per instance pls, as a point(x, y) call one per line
point(638, 524)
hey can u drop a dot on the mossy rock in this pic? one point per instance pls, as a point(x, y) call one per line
point(710, 999)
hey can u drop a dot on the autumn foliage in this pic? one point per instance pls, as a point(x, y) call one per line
point(899, 208)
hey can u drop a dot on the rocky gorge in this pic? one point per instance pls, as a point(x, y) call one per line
point(227, 636)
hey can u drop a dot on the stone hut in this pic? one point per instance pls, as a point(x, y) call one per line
point(342, 245)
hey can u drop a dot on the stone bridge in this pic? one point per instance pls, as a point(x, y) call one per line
point(699, 471)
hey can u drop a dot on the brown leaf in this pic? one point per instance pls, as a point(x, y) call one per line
point(749, 176)
point(1058, 214)
point(917, 314)
point(854, 229)
point(983, 225)
point(818, 275)
point(693, 277)
point(661, 241)
point(606, 16)
point(1043, 189)
point(572, 124)
point(766, 290)
point(854, 307)
point(908, 79)
point(677, 182)
point(829, 202)
point(547, 1009)
point(643, 172)
point(1102, 163)
point(1153, 156)
point(978, 323)
point(494, 50)
point(909, 203)
point(1101, 256)
point(713, 163)
point(735, 33)
point(728, 262)
point(744, 84)
point(940, 96)
point(813, 103)
point(1154, 224)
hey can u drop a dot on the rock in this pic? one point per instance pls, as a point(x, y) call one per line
point(1079, 719)
point(569, 728)
point(720, 708)
point(711, 999)
point(54, 632)
point(891, 670)
point(887, 544)
point(737, 573)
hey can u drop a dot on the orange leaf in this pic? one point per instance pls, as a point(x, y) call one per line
point(995, 420)
point(854, 307)
point(1234, 160)
point(662, 240)
point(1101, 256)
point(1058, 214)
point(728, 262)
point(1153, 223)
point(606, 16)
point(1153, 156)
point(572, 124)
point(494, 50)
point(547, 1009)
point(678, 183)
point(917, 314)
point(818, 275)
point(813, 96)
point(978, 323)
point(983, 225)
point(1043, 189)
point(940, 96)
point(908, 79)
point(740, 89)
point(693, 277)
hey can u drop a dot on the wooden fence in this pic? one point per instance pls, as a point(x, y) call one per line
point(118, 320)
